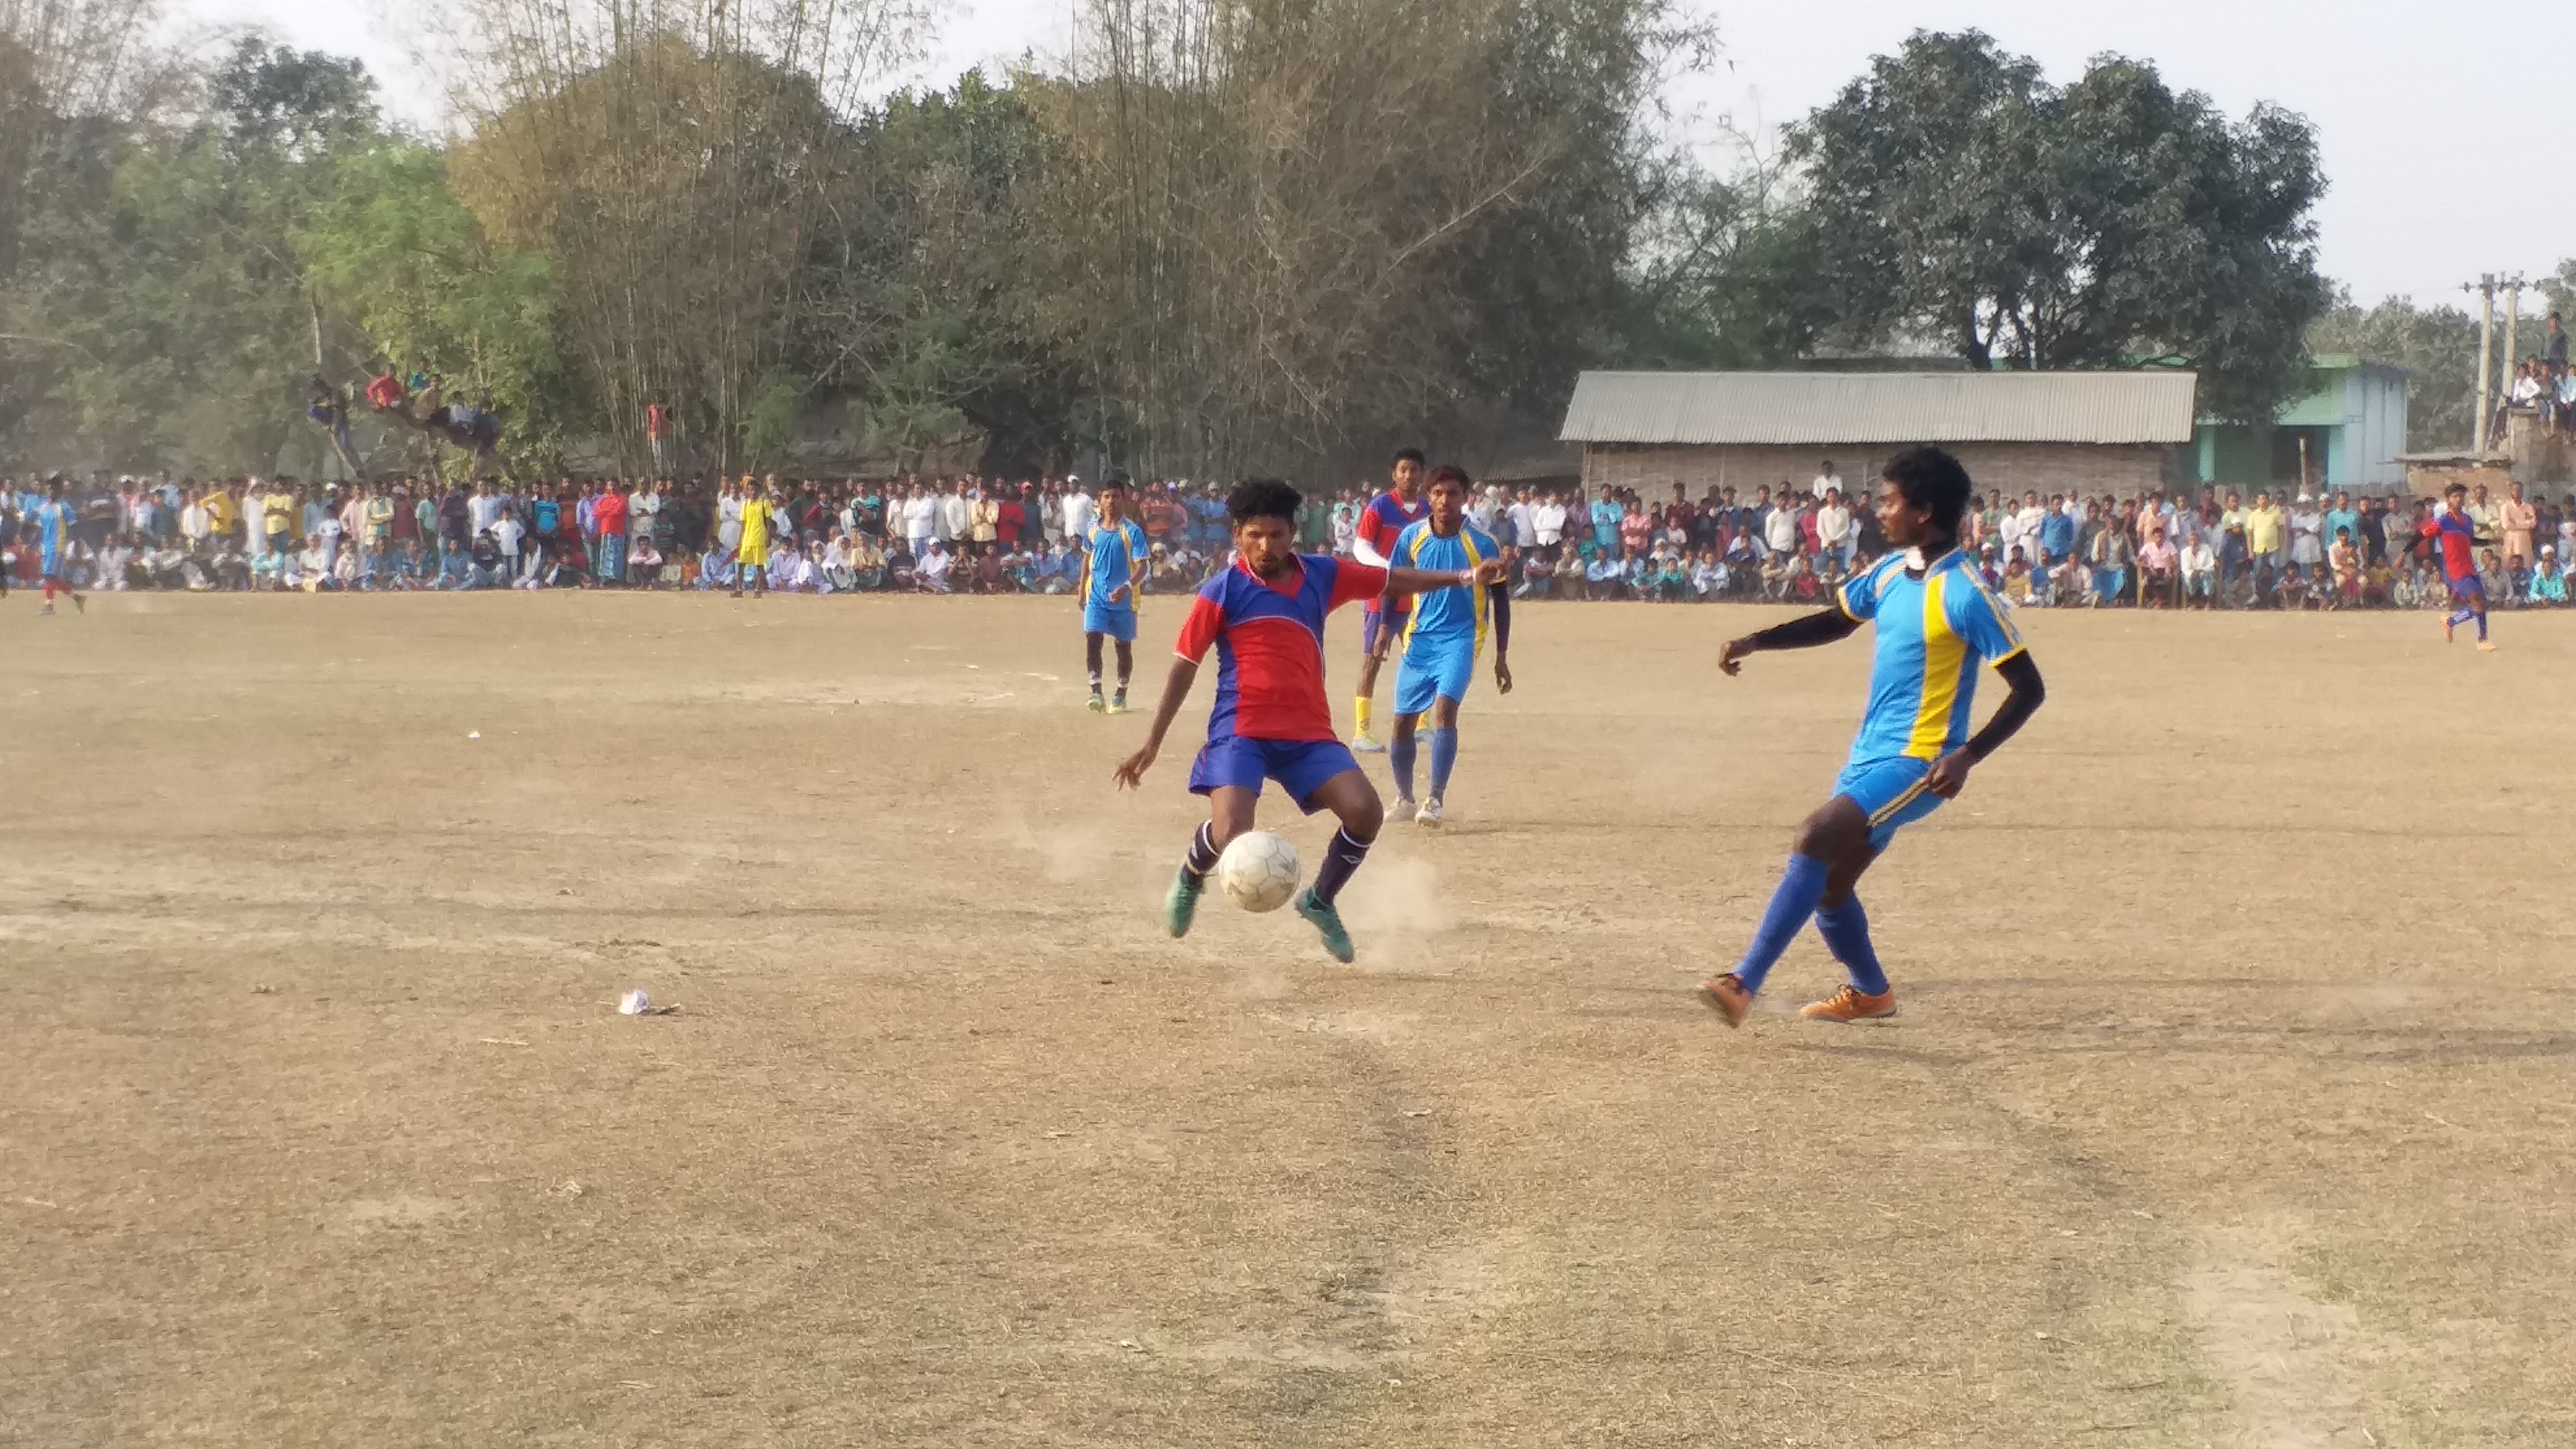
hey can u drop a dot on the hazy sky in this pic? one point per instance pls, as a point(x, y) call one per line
point(2430, 185)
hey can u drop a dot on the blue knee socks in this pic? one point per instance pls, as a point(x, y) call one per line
point(1846, 932)
point(1444, 758)
point(1801, 886)
point(1399, 753)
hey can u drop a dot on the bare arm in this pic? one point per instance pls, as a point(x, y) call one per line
point(1130, 773)
point(1825, 626)
point(1950, 773)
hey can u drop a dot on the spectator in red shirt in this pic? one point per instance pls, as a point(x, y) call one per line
point(608, 514)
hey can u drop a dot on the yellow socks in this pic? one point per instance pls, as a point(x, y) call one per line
point(1360, 711)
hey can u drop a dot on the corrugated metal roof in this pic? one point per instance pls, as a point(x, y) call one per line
point(1827, 408)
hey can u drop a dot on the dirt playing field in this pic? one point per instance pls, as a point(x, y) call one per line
point(2230, 1104)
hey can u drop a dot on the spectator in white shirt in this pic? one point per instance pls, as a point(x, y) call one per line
point(1835, 532)
point(1547, 521)
point(1827, 481)
point(956, 514)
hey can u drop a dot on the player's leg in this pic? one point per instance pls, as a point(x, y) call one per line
point(1845, 927)
point(1230, 810)
point(1837, 835)
point(1400, 747)
point(2478, 609)
point(1091, 639)
point(1377, 636)
point(1126, 668)
point(1444, 757)
point(1353, 801)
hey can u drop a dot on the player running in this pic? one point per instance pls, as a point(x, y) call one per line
point(760, 518)
point(1113, 571)
point(1386, 516)
point(54, 521)
point(1937, 622)
point(1447, 634)
point(2450, 524)
point(1264, 616)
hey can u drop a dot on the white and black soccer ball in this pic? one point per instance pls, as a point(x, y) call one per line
point(1258, 871)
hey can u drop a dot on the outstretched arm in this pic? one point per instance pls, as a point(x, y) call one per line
point(1131, 771)
point(2029, 691)
point(1423, 581)
point(1825, 626)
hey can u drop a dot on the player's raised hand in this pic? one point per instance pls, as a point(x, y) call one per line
point(1130, 774)
point(1502, 676)
point(1730, 660)
point(1492, 571)
point(1950, 774)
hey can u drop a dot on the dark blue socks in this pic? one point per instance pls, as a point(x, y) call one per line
point(1801, 886)
point(1444, 758)
point(1846, 932)
point(1399, 753)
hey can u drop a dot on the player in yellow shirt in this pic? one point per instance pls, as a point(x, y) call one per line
point(751, 555)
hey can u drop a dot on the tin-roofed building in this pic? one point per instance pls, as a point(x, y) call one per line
point(2085, 432)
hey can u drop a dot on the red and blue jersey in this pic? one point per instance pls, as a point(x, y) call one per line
point(1269, 642)
point(1383, 521)
point(2459, 540)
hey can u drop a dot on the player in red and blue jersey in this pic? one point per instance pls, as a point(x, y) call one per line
point(2451, 526)
point(1264, 617)
point(1387, 516)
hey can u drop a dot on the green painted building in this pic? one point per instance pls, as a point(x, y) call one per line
point(2350, 431)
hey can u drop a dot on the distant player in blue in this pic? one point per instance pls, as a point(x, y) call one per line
point(1113, 570)
point(54, 520)
point(1446, 635)
point(1937, 622)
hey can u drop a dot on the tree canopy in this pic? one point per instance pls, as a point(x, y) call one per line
point(1959, 198)
point(1224, 236)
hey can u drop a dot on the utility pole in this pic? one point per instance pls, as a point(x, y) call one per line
point(2485, 287)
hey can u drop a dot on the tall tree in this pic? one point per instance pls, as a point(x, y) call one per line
point(1960, 198)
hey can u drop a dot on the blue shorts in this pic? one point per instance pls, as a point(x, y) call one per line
point(2466, 586)
point(1892, 793)
point(1300, 766)
point(1433, 670)
point(1381, 623)
point(1118, 621)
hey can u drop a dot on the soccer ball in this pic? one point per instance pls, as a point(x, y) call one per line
point(1258, 871)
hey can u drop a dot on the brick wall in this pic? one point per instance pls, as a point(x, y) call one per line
point(2014, 468)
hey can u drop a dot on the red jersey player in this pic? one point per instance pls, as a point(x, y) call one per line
point(2450, 524)
point(1264, 616)
point(1386, 516)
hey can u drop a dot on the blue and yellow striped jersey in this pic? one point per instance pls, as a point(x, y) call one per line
point(1109, 563)
point(1454, 614)
point(1933, 632)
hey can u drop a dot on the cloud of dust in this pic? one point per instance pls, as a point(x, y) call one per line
point(1397, 898)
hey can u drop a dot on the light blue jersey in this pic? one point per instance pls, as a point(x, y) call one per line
point(1115, 548)
point(1933, 633)
point(1457, 616)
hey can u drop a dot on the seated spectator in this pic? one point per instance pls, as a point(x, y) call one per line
point(1709, 577)
point(838, 576)
point(901, 573)
point(2548, 581)
point(487, 570)
point(2157, 564)
point(2291, 589)
point(1803, 587)
point(930, 575)
point(2493, 578)
point(989, 577)
point(1604, 577)
point(1537, 576)
point(2345, 561)
point(1571, 574)
point(644, 562)
point(2019, 587)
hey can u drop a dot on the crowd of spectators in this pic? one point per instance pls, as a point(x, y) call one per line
point(2208, 548)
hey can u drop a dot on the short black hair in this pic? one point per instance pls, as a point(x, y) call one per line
point(1450, 473)
point(1410, 455)
point(1933, 481)
point(1262, 498)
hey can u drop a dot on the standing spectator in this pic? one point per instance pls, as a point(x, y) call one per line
point(608, 518)
point(983, 528)
point(2112, 554)
point(2516, 521)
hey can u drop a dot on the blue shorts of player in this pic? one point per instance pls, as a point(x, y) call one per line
point(1118, 621)
point(2465, 586)
point(1431, 671)
point(1892, 793)
point(1300, 766)
point(1381, 624)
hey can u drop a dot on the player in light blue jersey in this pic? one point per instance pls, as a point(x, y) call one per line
point(1937, 623)
point(1113, 570)
point(1444, 637)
